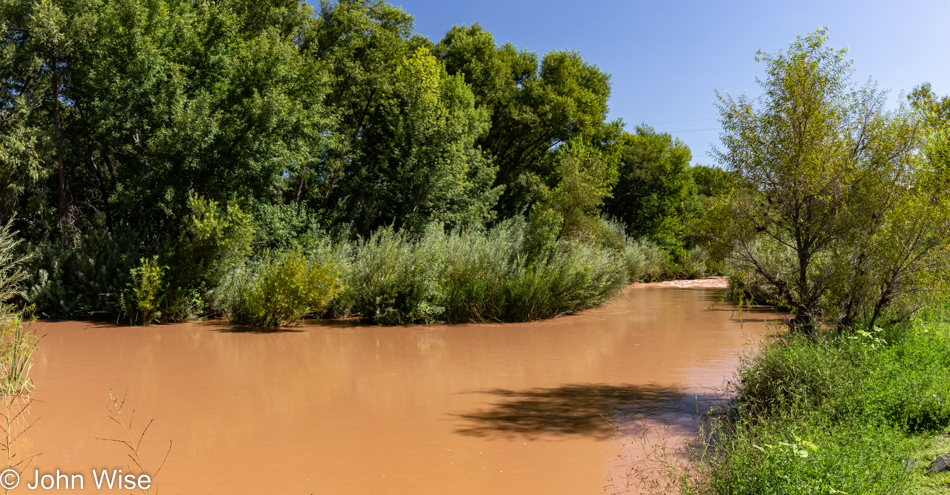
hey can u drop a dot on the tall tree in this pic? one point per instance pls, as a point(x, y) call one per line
point(534, 106)
point(655, 195)
point(828, 182)
point(418, 162)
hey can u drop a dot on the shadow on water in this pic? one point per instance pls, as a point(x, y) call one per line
point(591, 410)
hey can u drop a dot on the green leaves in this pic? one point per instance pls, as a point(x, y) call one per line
point(826, 174)
point(533, 107)
point(655, 195)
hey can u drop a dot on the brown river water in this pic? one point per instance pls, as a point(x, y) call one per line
point(340, 408)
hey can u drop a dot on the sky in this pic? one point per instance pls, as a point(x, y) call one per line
point(667, 58)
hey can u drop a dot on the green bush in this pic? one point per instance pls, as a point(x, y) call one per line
point(142, 300)
point(807, 456)
point(477, 270)
point(576, 276)
point(394, 278)
point(500, 275)
point(832, 412)
point(83, 278)
point(277, 290)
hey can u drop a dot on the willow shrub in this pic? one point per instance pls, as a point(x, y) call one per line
point(464, 276)
point(277, 290)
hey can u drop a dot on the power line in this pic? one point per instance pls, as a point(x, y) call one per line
point(693, 130)
point(683, 121)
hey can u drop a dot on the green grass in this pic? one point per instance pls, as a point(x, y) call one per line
point(837, 414)
point(471, 276)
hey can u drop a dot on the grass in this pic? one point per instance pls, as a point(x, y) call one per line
point(862, 413)
point(394, 278)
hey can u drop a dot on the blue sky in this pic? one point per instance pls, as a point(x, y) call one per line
point(666, 58)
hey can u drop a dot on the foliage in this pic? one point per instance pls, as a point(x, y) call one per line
point(585, 179)
point(142, 300)
point(193, 136)
point(283, 225)
point(277, 290)
point(82, 279)
point(17, 341)
point(835, 413)
point(395, 279)
point(829, 183)
point(467, 275)
point(533, 106)
point(417, 161)
point(12, 274)
point(655, 195)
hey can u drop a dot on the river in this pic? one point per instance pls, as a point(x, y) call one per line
point(340, 408)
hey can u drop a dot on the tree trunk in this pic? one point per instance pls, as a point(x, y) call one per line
point(58, 139)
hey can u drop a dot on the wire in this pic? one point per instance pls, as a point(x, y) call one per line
point(683, 121)
point(693, 130)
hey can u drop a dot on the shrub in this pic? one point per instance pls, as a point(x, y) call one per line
point(17, 342)
point(477, 269)
point(141, 301)
point(831, 412)
point(575, 277)
point(468, 275)
point(83, 278)
point(656, 263)
point(277, 290)
point(807, 456)
point(395, 279)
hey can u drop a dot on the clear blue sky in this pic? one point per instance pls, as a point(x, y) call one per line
point(667, 57)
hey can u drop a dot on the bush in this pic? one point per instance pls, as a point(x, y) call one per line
point(576, 276)
point(504, 274)
point(277, 290)
point(478, 267)
point(807, 456)
point(394, 278)
point(17, 342)
point(82, 279)
point(656, 263)
point(831, 412)
point(141, 301)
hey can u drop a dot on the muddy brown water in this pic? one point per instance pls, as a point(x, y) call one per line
point(339, 408)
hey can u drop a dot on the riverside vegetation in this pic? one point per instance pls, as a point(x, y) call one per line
point(172, 159)
point(842, 220)
point(169, 160)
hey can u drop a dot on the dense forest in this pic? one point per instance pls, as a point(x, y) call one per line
point(167, 159)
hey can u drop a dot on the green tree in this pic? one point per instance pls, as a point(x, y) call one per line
point(534, 107)
point(829, 179)
point(585, 178)
point(418, 160)
point(655, 195)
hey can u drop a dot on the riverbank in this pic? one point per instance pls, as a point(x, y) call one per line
point(864, 413)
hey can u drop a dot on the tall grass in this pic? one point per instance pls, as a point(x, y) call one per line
point(17, 342)
point(467, 276)
point(833, 414)
point(394, 278)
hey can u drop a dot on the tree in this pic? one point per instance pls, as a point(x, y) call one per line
point(828, 180)
point(418, 161)
point(655, 195)
point(533, 106)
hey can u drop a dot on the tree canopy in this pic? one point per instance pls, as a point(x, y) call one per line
point(828, 183)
